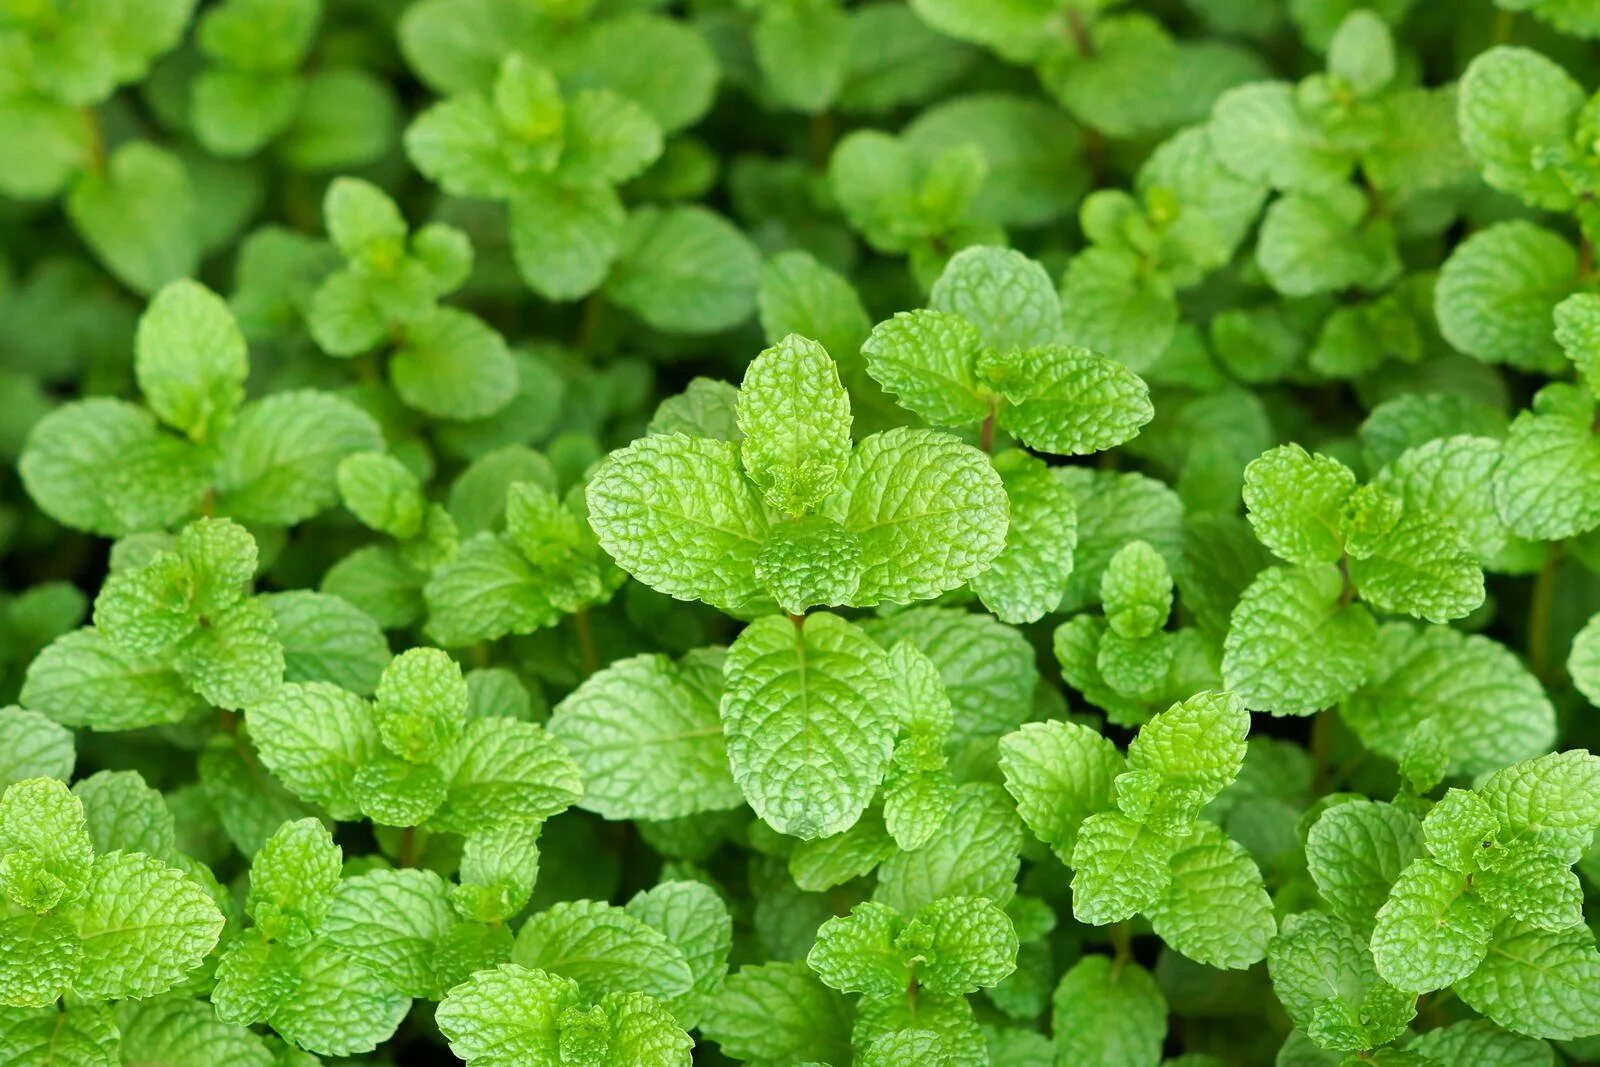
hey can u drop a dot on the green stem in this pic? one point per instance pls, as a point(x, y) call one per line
point(1121, 943)
point(986, 434)
point(95, 138)
point(1321, 742)
point(589, 327)
point(408, 847)
point(821, 135)
point(1504, 22)
point(1080, 33)
point(586, 647)
point(1539, 610)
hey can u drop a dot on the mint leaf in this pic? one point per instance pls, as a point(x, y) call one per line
point(808, 734)
point(647, 740)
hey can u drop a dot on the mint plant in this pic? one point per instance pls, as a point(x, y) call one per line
point(806, 533)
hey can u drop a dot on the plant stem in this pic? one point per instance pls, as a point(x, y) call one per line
point(589, 326)
point(1539, 608)
point(1080, 33)
point(586, 650)
point(986, 434)
point(408, 847)
point(1504, 22)
point(821, 134)
point(1121, 943)
point(95, 138)
point(1321, 741)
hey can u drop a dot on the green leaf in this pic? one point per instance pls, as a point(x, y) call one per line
point(1216, 910)
point(1259, 132)
point(1007, 296)
point(1321, 970)
point(1190, 753)
point(138, 216)
point(647, 740)
point(677, 513)
point(925, 359)
point(1477, 691)
point(609, 138)
point(104, 466)
point(504, 771)
point(340, 1007)
point(187, 1033)
point(42, 957)
point(421, 705)
point(970, 944)
point(1033, 151)
point(1421, 567)
point(143, 926)
point(1518, 112)
point(51, 146)
point(685, 270)
point(190, 359)
point(1538, 983)
point(1326, 243)
point(1550, 467)
point(313, 737)
point(927, 509)
point(453, 365)
point(604, 949)
point(1060, 773)
point(82, 1036)
point(1355, 852)
point(45, 850)
point(383, 493)
point(1577, 331)
point(292, 881)
point(808, 730)
point(507, 1016)
point(1027, 580)
point(1551, 801)
point(280, 457)
point(695, 919)
point(347, 119)
point(81, 679)
point(400, 923)
point(1497, 292)
point(987, 668)
point(857, 953)
point(1477, 1041)
point(1294, 645)
point(1454, 476)
point(808, 562)
point(566, 240)
point(1533, 887)
point(1136, 590)
point(779, 1012)
point(1432, 931)
point(1583, 662)
point(802, 49)
point(1120, 868)
point(795, 418)
point(1361, 53)
point(975, 852)
point(798, 294)
point(1113, 301)
point(1071, 401)
point(325, 639)
point(1295, 499)
point(1105, 1012)
point(122, 811)
point(33, 746)
point(237, 112)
